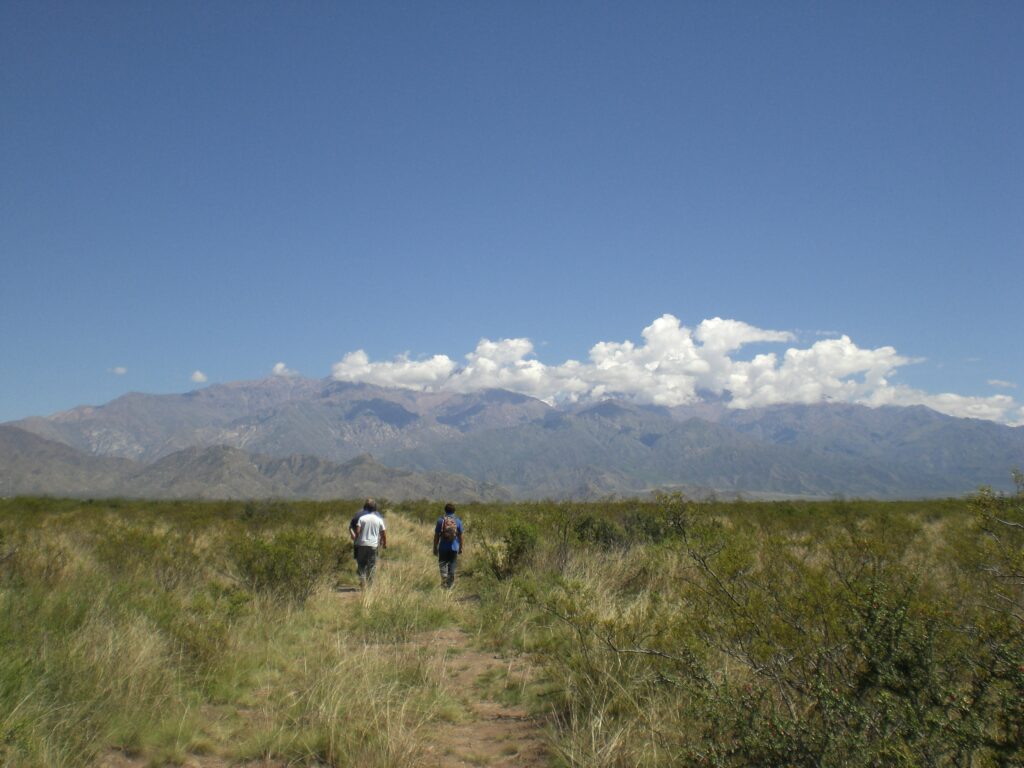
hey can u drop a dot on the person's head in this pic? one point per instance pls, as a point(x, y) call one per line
point(370, 505)
point(449, 508)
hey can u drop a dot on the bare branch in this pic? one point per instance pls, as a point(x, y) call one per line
point(1008, 523)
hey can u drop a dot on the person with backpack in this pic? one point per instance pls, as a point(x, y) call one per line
point(448, 544)
point(370, 534)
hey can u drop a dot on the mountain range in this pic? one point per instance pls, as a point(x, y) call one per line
point(30, 464)
point(297, 437)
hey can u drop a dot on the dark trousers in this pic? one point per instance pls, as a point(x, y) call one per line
point(446, 564)
point(366, 564)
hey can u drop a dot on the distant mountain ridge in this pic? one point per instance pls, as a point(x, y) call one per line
point(510, 443)
point(279, 417)
point(30, 464)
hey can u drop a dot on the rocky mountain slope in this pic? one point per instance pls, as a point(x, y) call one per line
point(281, 417)
point(30, 464)
point(536, 450)
point(636, 449)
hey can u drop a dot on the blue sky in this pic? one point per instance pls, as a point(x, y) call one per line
point(220, 187)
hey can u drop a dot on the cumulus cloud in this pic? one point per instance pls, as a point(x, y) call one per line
point(674, 365)
point(1001, 384)
point(280, 369)
point(995, 408)
point(119, 370)
point(401, 372)
point(199, 377)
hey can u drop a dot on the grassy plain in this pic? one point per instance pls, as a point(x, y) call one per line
point(656, 633)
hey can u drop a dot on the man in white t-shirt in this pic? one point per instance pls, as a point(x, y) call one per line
point(370, 534)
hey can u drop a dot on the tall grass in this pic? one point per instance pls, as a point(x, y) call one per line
point(669, 633)
point(165, 630)
point(864, 634)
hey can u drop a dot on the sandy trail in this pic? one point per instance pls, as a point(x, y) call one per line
point(494, 734)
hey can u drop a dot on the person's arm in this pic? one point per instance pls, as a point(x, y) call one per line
point(358, 530)
point(437, 536)
point(462, 547)
point(383, 539)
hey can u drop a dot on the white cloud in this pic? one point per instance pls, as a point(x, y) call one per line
point(1002, 384)
point(402, 372)
point(728, 335)
point(119, 370)
point(672, 364)
point(199, 377)
point(1001, 408)
point(280, 369)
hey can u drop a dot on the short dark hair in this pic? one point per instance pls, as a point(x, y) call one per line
point(449, 508)
point(370, 505)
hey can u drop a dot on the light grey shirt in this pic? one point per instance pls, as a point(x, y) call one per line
point(370, 526)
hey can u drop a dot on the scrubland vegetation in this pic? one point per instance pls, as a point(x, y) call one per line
point(809, 634)
point(164, 630)
point(663, 633)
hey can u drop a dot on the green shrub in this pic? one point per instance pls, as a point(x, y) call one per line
point(800, 634)
point(33, 560)
point(262, 513)
point(515, 551)
point(287, 565)
point(600, 531)
point(170, 557)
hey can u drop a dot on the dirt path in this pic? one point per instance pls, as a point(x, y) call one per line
point(488, 732)
point(495, 734)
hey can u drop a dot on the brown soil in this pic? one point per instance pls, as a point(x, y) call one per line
point(494, 734)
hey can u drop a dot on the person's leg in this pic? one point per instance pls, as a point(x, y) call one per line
point(371, 564)
point(451, 569)
point(362, 563)
point(446, 562)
